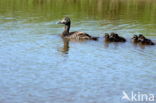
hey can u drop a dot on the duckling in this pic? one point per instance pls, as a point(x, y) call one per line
point(113, 36)
point(74, 35)
point(139, 37)
point(122, 39)
point(143, 40)
point(107, 38)
point(135, 39)
point(117, 38)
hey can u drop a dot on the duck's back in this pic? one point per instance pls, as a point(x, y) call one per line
point(80, 36)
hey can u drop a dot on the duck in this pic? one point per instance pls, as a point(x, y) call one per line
point(135, 39)
point(140, 36)
point(107, 38)
point(114, 37)
point(143, 40)
point(77, 35)
point(117, 38)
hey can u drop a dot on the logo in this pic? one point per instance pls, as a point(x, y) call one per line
point(140, 97)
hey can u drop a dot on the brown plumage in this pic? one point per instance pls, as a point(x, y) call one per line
point(113, 37)
point(135, 39)
point(74, 35)
point(142, 40)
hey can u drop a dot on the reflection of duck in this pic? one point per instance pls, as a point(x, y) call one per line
point(65, 48)
point(74, 35)
point(113, 37)
point(142, 40)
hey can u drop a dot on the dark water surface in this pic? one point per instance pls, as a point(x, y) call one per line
point(36, 67)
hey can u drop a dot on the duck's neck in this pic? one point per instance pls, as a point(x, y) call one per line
point(66, 30)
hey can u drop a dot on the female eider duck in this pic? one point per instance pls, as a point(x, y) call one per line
point(74, 35)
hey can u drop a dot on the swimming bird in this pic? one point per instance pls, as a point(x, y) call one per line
point(114, 37)
point(143, 40)
point(117, 38)
point(135, 39)
point(74, 35)
point(107, 38)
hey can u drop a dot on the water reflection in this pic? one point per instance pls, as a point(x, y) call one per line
point(111, 14)
point(142, 11)
point(66, 47)
point(106, 44)
point(142, 46)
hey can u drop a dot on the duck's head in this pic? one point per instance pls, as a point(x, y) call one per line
point(141, 36)
point(135, 37)
point(113, 35)
point(106, 35)
point(65, 21)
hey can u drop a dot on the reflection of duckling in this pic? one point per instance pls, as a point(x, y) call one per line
point(74, 35)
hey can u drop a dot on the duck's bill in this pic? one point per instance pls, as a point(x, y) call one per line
point(62, 22)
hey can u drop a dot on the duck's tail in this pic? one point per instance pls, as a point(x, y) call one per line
point(152, 43)
point(95, 38)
